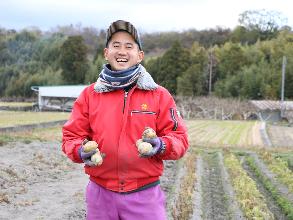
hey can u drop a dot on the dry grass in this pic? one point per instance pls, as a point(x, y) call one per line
point(16, 104)
point(12, 118)
point(41, 134)
point(223, 133)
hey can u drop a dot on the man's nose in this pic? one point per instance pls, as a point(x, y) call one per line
point(122, 50)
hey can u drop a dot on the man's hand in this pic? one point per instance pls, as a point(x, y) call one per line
point(157, 144)
point(86, 156)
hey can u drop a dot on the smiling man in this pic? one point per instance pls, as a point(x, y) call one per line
point(114, 112)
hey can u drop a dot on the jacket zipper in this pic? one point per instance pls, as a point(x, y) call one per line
point(125, 97)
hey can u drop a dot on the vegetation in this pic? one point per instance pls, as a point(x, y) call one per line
point(250, 199)
point(11, 118)
point(281, 168)
point(39, 134)
point(245, 62)
point(282, 201)
point(223, 133)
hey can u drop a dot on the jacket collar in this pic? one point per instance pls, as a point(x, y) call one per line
point(144, 82)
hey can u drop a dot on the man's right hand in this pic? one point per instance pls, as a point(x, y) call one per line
point(86, 156)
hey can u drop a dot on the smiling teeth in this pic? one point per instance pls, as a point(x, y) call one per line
point(121, 60)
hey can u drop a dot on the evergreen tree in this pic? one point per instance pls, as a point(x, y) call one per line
point(173, 64)
point(74, 60)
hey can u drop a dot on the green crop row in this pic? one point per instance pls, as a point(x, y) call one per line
point(279, 167)
point(283, 202)
point(250, 199)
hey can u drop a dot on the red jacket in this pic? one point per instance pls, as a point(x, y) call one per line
point(116, 120)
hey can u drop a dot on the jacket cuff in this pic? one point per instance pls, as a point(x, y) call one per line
point(166, 148)
point(76, 154)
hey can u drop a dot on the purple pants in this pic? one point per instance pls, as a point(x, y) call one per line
point(102, 204)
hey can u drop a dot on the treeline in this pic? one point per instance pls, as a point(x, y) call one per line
point(245, 62)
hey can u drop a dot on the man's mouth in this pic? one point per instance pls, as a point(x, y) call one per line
point(121, 60)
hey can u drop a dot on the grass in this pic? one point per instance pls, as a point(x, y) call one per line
point(223, 133)
point(184, 204)
point(283, 202)
point(16, 104)
point(13, 118)
point(250, 199)
point(42, 134)
point(280, 167)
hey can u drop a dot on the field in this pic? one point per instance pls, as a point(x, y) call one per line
point(227, 173)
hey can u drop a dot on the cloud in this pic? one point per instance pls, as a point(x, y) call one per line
point(147, 15)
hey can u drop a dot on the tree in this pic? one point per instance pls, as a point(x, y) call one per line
point(173, 63)
point(73, 60)
point(230, 60)
point(191, 83)
point(267, 23)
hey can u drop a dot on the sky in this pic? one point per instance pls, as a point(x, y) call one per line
point(146, 15)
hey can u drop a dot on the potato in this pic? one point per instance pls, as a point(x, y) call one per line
point(149, 133)
point(97, 159)
point(90, 146)
point(138, 142)
point(144, 148)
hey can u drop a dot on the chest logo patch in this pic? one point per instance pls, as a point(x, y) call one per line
point(144, 107)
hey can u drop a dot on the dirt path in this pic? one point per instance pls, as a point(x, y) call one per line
point(214, 199)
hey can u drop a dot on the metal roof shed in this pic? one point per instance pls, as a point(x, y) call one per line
point(269, 110)
point(57, 97)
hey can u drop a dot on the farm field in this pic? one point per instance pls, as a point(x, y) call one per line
point(227, 173)
point(16, 104)
point(13, 118)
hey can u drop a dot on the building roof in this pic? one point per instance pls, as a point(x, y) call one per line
point(68, 91)
point(272, 105)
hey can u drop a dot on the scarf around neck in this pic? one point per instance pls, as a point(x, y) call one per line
point(119, 79)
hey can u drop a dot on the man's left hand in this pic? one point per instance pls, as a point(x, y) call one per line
point(157, 144)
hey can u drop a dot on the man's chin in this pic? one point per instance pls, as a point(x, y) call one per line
point(120, 67)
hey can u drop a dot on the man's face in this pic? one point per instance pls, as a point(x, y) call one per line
point(122, 51)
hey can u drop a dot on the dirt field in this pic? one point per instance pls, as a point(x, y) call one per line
point(38, 182)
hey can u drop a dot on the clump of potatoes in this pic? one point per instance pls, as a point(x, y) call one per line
point(97, 158)
point(144, 147)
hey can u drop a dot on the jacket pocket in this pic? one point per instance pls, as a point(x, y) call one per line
point(142, 112)
point(140, 119)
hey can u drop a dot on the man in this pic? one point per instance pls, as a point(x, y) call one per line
point(114, 113)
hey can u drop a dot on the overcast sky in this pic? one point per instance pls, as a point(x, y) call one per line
point(146, 15)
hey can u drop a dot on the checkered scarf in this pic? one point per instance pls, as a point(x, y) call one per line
point(119, 79)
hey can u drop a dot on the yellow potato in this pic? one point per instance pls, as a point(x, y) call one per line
point(144, 148)
point(90, 146)
point(138, 142)
point(97, 159)
point(149, 133)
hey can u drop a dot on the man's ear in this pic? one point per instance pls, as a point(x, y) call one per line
point(106, 50)
point(140, 56)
